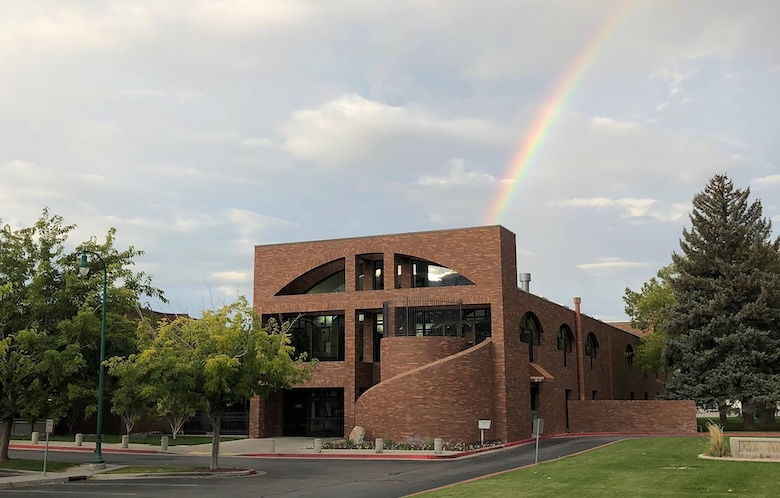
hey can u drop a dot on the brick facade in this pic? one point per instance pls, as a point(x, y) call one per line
point(433, 386)
point(634, 417)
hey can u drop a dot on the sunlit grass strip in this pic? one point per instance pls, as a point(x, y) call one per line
point(143, 469)
point(651, 467)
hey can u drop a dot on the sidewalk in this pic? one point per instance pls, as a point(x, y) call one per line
point(277, 447)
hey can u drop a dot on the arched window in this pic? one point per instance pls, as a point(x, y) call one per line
point(530, 333)
point(629, 356)
point(320, 280)
point(591, 347)
point(564, 341)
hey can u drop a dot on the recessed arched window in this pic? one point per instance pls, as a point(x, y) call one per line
point(564, 341)
point(320, 280)
point(530, 333)
point(629, 356)
point(591, 347)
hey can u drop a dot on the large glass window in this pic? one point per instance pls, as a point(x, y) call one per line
point(322, 279)
point(445, 320)
point(319, 336)
point(425, 274)
point(591, 347)
point(530, 333)
point(379, 333)
point(334, 283)
point(564, 342)
point(369, 272)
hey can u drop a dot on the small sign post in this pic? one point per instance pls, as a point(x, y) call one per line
point(538, 429)
point(483, 426)
point(49, 430)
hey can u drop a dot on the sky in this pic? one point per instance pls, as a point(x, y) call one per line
point(201, 128)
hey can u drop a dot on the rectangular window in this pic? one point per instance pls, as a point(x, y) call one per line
point(319, 336)
point(379, 277)
point(360, 279)
point(379, 333)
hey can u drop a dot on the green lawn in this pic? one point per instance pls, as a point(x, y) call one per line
point(732, 423)
point(134, 439)
point(142, 469)
point(650, 467)
point(35, 465)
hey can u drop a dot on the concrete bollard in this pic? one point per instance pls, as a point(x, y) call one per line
point(79, 439)
point(164, 443)
point(35, 437)
point(379, 445)
point(318, 446)
point(126, 441)
point(437, 446)
point(271, 446)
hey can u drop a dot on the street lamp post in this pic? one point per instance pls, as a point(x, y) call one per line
point(97, 459)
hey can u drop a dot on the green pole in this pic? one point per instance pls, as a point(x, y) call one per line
point(97, 458)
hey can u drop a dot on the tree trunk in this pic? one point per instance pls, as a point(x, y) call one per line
point(748, 420)
point(216, 423)
point(766, 418)
point(5, 438)
point(723, 410)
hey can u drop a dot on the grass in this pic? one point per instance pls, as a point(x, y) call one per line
point(36, 465)
point(141, 469)
point(732, 423)
point(153, 439)
point(651, 467)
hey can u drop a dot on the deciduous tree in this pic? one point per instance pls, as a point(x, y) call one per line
point(48, 326)
point(225, 357)
point(647, 310)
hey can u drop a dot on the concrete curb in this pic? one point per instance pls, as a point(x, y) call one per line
point(185, 475)
point(42, 480)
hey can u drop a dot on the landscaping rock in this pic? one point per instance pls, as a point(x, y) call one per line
point(357, 435)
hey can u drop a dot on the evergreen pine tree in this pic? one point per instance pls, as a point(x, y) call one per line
point(724, 330)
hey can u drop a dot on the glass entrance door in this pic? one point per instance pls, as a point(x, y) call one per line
point(314, 412)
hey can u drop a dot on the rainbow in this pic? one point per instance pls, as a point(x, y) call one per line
point(548, 115)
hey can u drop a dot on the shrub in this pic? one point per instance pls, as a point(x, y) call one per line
point(717, 446)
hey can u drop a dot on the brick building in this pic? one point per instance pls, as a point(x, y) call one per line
point(420, 335)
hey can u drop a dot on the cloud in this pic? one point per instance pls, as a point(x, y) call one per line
point(765, 182)
point(630, 207)
point(454, 195)
point(352, 129)
point(609, 265)
point(613, 124)
point(232, 276)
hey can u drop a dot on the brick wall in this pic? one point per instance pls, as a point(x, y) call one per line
point(402, 354)
point(659, 416)
point(443, 399)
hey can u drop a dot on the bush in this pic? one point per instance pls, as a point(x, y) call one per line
point(717, 446)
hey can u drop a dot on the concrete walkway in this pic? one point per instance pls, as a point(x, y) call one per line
point(267, 447)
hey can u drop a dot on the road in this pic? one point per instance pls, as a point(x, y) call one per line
point(280, 477)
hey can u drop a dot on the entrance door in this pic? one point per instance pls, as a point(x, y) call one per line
point(314, 412)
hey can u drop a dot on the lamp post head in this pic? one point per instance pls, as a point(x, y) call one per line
point(84, 264)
